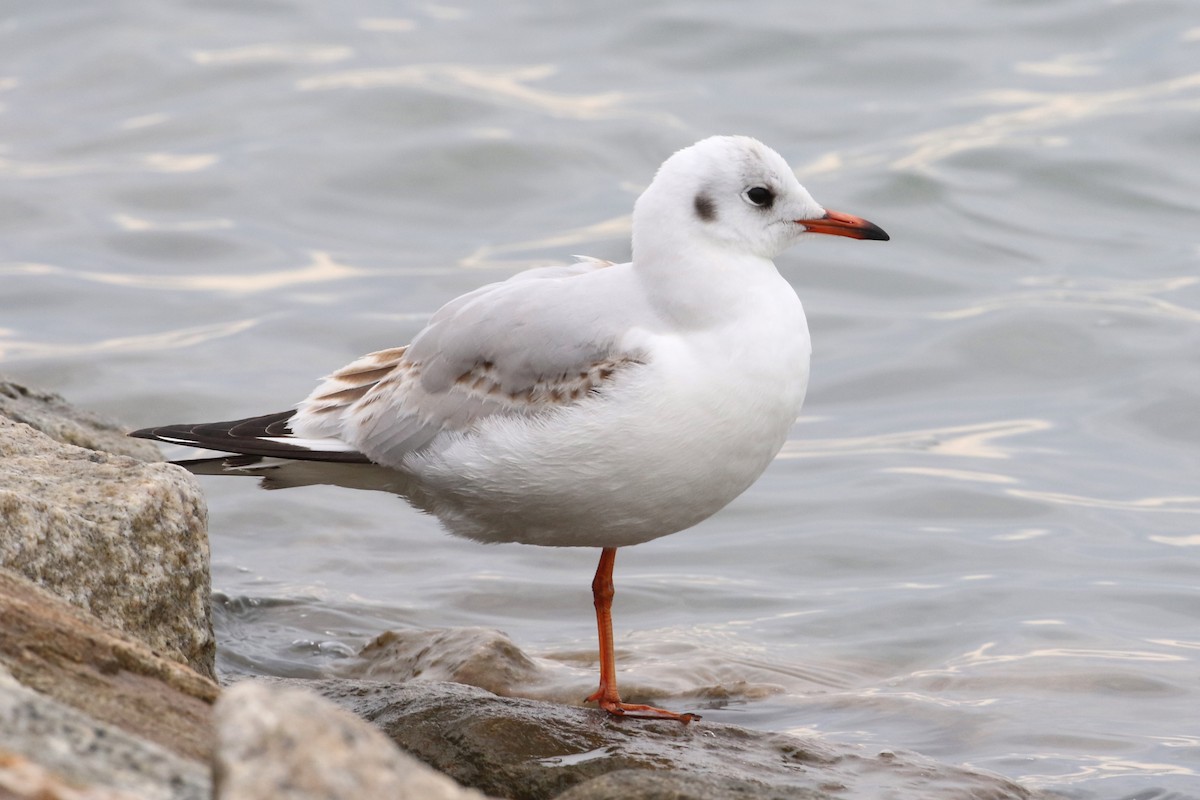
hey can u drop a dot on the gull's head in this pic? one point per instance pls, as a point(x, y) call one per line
point(738, 193)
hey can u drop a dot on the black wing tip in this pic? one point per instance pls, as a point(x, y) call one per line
point(171, 434)
point(246, 437)
point(148, 433)
point(230, 430)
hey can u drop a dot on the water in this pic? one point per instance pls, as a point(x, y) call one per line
point(981, 541)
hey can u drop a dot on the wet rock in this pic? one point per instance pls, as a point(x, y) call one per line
point(531, 750)
point(288, 743)
point(475, 656)
point(69, 657)
point(675, 785)
point(44, 740)
point(58, 419)
point(489, 659)
point(121, 538)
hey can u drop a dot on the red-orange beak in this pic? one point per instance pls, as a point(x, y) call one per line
point(836, 223)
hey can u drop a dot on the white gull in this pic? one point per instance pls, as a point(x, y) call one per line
point(596, 404)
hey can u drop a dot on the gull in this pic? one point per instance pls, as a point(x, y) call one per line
point(589, 405)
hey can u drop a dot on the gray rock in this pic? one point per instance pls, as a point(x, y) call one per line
point(67, 655)
point(475, 656)
point(55, 417)
point(286, 743)
point(121, 538)
point(676, 785)
point(21, 779)
point(531, 750)
point(67, 746)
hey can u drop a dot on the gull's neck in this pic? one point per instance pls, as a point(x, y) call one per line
point(694, 280)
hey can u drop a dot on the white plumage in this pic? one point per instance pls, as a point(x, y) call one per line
point(593, 404)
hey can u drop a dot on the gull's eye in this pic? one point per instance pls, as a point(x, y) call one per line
point(759, 196)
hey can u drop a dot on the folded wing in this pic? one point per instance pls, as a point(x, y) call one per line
point(502, 349)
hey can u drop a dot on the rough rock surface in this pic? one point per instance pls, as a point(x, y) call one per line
point(475, 656)
point(22, 779)
point(675, 785)
point(286, 743)
point(67, 655)
point(70, 749)
point(61, 421)
point(121, 538)
point(530, 750)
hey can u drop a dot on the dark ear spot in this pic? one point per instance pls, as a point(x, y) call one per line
point(706, 209)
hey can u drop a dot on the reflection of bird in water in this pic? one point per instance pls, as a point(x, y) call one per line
point(597, 404)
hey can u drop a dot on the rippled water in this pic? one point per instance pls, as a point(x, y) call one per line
point(981, 542)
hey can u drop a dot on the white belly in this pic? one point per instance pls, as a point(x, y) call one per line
point(664, 448)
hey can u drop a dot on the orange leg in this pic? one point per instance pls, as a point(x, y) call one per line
point(606, 695)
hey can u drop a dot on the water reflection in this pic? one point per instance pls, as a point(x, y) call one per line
point(1067, 65)
point(268, 53)
point(162, 340)
point(1177, 643)
point(954, 474)
point(503, 86)
point(178, 162)
point(981, 440)
point(144, 121)
point(1035, 113)
point(1122, 296)
point(321, 269)
point(488, 256)
point(1040, 111)
point(1178, 505)
point(148, 162)
point(129, 222)
point(1098, 766)
point(387, 24)
point(985, 656)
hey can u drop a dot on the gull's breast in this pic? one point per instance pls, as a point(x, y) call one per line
point(670, 444)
